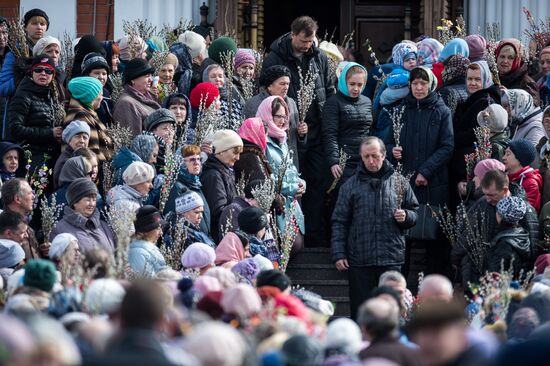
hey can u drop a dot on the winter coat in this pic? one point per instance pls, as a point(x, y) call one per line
point(276, 153)
point(125, 198)
point(383, 127)
point(531, 128)
point(364, 230)
point(230, 215)
point(346, 122)
point(520, 79)
point(91, 232)
point(464, 123)
point(252, 164)
point(316, 60)
point(454, 93)
point(186, 182)
point(100, 142)
point(31, 120)
point(61, 160)
point(197, 235)
point(145, 258)
point(499, 143)
point(120, 162)
point(218, 186)
point(184, 71)
point(510, 247)
point(531, 181)
point(132, 108)
point(295, 143)
point(105, 110)
point(61, 198)
point(427, 141)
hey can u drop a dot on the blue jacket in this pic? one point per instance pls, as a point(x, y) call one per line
point(144, 258)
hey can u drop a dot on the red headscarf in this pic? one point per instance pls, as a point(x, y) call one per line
point(516, 45)
point(253, 130)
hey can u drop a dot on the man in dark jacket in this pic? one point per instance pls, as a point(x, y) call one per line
point(296, 50)
point(368, 222)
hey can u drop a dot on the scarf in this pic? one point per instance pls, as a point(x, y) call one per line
point(455, 68)
point(516, 45)
point(253, 130)
point(428, 51)
point(142, 146)
point(264, 112)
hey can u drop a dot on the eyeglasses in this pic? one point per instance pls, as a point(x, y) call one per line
point(40, 70)
point(280, 117)
point(194, 159)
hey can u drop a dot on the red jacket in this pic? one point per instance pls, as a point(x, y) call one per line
point(531, 180)
point(437, 69)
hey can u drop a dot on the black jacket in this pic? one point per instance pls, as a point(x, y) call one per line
point(218, 186)
point(510, 247)
point(346, 122)
point(364, 230)
point(252, 164)
point(520, 79)
point(454, 93)
point(325, 84)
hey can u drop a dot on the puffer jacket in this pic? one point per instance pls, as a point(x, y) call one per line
point(364, 230)
point(132, 108)
point(346, 122)
point(125, 198)
point(510, 247)
point(218, 186)
point(316, 60)
point(31, 120)
point(145, 258)
point(520, 79)
point(91, 232)
point(530, 128)
point(454, 93)
point(531, 181)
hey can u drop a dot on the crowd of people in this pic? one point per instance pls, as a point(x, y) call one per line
point(154, 190)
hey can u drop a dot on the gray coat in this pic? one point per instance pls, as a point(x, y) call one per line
point(364, 230)
point(132, 108)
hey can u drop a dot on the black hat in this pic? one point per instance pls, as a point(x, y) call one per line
point(36, 13)
point(92, 61)
point(273, 277)
point(272, 73)
point(135, 68)
point(80, 187)
point(159, 116)
point(148, 218)
point(252, 219)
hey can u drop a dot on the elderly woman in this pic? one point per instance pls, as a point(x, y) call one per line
point(65, 250)
point(138, 181)
point(81, 218)
point(190, 206)
point(525, 116)
point(142, 148)
point(76, 135)
point(95, 65)
point(137, 101)
point(10, 157)
point(245, 70)
point(166, 84)
point(161, 124)
point(74, 168)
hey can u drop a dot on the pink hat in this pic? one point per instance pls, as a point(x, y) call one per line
point(205, 284)
point(241, 300)
point(541, 263)
point(488, 164)
point(244, 56)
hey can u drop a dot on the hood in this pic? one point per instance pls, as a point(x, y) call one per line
point(281, 46)
point(6, 146)
point(124, 157)
point(185, 66)
point(74, 168)
point(123, 192)
point(518, 238)
point(76, 219)
point(342, 85)
point(189, 116)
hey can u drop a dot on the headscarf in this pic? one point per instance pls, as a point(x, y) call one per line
point(342, 83)
point(477, 46)
point(456, 46)
point(253, 130)
point(74, 168)
point(431, 77)
point(403, 51)
point(520, 103)
point(142, 146)
point(428, 51)
point(455, 67)
point(516, 45)
point(264, 112)
point(125, 49)
point(230, 251)
point(486, 76)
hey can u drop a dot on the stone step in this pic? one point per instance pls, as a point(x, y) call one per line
point(300, 272)
point(312, 255)
point(325, 288)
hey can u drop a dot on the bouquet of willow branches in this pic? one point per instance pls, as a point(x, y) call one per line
point(493, 39)
point(17, 39)
point(400, 184)
point(259, 57)
point(451, 226)
point(207, 121)
point(58, 109)
point(264, 193)
point(118, 86)
point(282, 171)
point(375, 61)
point(288, 236)
point(248, 88)
point(157, 61)
point(342, 161)
point(171, 35)
point(50, 215)
point(107, 167)
point(538, 31)
point(121, 223)
point(396, 116)
point(122, 136)
point(471, 161)
point(476, 239)
point(67, 54)
point(241, 184)
point(306, 92)
point(173, 250)
point(170, 170)
point(482, 144)
point(228, 63)
point(140, 27)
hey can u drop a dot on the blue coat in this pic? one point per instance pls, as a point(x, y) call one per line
point(145, 258)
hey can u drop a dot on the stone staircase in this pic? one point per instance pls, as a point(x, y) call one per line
point(313, 270)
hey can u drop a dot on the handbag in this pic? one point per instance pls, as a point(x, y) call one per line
point(426, 227)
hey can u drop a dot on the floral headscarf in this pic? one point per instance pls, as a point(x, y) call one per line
point(428, 51)
point(520, 104)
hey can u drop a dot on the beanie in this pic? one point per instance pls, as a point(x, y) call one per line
point(159, 116)
point(60, 244)
point(494, 117)
point(487, 164)
point(36, 13)
point(85, 88)
point(272, 73)
point(43, 61)
point(188, 201)
point(221, 46)
point(241, 300)
point(198, 255)
point(252, 219)
point(41, 274)
point(273, 278)
point(226, 139)
point(542, 262)
point(477, 46)
point(148, 218)
point(43, 43)
point(247, 270)
point(524, 151)
point(511, 209)
point(138, 172)
point(11, 253)
point(79, 188)
point(203, 93)
point(244, 56)
point(135, 68)
point(73, 129)
point(194, 41)
point(103, 296)
point(92, 61)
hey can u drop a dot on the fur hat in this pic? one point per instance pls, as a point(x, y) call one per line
point(272, 73)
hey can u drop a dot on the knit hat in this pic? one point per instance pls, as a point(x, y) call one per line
point(273, 278)
point(221, 46)
point(135, 68)
point(79, 188)
point(247, 270)
point(36, 13)
point(138, 172)
point(43, 43)
point(272, 73)
point(188, 201)
point(487, 164)
point(41, 274)
point(210, 303)
point(60, 243)
point(125, 49)
point(263, 263)
point(85, 88)
point(241, 300)
point(159, 116)
point(252, 219)
point(104, 296)
point(477, 46)
point(194, 41)
point(43, 61)
point(456, 46)
point(301, 350)
point(524, 151)
point(92, 61)
point(511, 209)
point(403, 51)
point(73, 129)
point(244, 56)
point(494, 117)
point(198, 255)
point(398, 78)
point(226, 139)
point(542, 262)
point(148, 218)
point(203, 93)
point(11, 253)
point(205, 284)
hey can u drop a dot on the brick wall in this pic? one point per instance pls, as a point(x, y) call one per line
point(9, 9)
point(104, 24)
